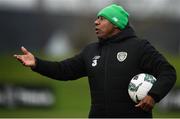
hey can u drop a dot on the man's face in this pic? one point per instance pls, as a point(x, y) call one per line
point(104, 28)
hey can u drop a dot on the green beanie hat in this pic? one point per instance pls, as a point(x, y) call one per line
point(116, 15)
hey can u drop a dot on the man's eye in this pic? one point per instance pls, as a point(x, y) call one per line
point(101, 18)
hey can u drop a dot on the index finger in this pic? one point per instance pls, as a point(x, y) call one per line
point(24, 50)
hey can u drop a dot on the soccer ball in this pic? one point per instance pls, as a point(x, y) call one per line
point(140, 85)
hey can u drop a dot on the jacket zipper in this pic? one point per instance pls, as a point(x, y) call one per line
point(106, 79)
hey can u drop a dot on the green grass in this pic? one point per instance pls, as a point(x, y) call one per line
point(72, 97)
point(73, 100)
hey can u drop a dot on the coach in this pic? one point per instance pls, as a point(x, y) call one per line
point(110, 64)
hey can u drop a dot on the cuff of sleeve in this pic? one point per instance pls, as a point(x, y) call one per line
point(35, 67)
point(154, 96)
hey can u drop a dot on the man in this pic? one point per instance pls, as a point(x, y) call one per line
point(110, 64)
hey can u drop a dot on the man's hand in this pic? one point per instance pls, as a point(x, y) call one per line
point(27, 59)
point(146, 103)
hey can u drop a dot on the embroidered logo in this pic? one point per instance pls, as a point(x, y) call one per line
point(95, 60)
point(121, 56)
point(115, 19)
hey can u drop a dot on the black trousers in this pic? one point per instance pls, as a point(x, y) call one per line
point(117, 111)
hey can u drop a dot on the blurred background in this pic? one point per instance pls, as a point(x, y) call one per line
point(57, 29)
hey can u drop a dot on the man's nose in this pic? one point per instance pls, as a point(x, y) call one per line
point(96, 22)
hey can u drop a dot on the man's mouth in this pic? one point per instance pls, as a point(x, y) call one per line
point(97, 30)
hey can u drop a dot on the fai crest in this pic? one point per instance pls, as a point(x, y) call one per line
point(121, 56)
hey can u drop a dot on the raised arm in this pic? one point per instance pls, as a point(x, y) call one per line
point(69, 69)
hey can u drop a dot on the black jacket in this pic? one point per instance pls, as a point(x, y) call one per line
point(110, 64)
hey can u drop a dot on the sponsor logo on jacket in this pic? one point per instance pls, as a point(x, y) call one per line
point(95, 61)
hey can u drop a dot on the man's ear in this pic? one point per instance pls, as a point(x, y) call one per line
point(116, 27)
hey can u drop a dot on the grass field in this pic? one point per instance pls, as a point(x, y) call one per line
point(72, 97)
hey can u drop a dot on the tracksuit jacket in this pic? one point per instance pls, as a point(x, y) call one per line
point(109, 65)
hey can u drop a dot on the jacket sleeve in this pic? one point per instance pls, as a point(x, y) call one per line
point(69, 69)
point(154, 63)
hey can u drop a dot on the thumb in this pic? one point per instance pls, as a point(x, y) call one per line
point(139, 104)
point(24, 50)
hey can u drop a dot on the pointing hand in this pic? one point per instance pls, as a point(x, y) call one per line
point(27, 58)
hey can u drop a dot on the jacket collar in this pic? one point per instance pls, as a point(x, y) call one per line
point(125, 34)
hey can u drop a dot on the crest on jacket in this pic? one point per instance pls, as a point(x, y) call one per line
point(121, 56)
point(95, 60)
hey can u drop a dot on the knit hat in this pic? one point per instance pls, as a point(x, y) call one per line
point(116, 15)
